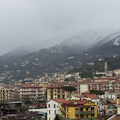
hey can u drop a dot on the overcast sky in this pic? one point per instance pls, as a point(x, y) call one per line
point(29, 21)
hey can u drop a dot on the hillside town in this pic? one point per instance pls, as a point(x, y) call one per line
point(62, 96)
point(59, 60)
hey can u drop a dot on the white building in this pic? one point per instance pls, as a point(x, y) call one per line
point(53, 108)
point(31, 91)
point(109, 95)
point(83, 88)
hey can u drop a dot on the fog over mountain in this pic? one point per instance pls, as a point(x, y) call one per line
point(65, 45)
point(24, 22)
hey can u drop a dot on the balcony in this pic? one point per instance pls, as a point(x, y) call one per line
point(66, 118)
point(84, 112)
point(63, 111)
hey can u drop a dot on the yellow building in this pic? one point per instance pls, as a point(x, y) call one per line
point(118, 100)
point(78, 109)
point(118, 104)
point(6, 94)
point(56, 92)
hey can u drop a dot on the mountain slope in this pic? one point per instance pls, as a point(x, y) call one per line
point(20, 52)
point(109, 45)
point(70, 53)
point(86, 39)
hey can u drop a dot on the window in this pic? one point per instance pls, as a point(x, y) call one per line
point(48, 105)
point(54, 106)
point(92, 108)
point(49, 118)
point(55, 112)
point(86, 109)
point(49, 111)
point(81, 109)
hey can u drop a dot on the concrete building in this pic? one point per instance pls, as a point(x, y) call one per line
point(6, 94)
point(116, 116)
point(53, 108)
point(83, 88)
point(31, 91)
point(56, 92)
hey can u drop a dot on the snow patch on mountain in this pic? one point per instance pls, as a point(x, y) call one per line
point(116, 41)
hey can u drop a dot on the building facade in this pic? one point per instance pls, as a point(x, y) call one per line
point(32, 92)
point(54, 108)
point(78, 109)
point(56, 93)
point(6, 94)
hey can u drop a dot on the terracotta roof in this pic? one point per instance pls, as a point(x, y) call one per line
point(86, 92)
point(116, 117)
point(117, 81)
point(115, 91)
point(112, 101)
point(54, 86)
point(31, 86)
point(75, 102)
point(106, 78)
point(60, 100)
point(92, 96)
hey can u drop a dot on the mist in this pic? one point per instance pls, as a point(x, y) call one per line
point(25, 22)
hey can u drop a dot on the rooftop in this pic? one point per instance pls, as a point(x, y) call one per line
point(60, 100)
point(31, 86)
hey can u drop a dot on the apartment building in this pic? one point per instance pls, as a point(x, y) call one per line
point(105, 85)
point(56, 92)
point(78, 109)
point(94, 98)
point(31, 91)
point(6, 94)
point(116, 116)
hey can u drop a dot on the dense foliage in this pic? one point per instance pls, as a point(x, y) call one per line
point(97, 92)
point(69, 88)
point(58, 117)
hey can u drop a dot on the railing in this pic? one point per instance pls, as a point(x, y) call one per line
point(63, 111)
point(84, 112)
point(66, 118)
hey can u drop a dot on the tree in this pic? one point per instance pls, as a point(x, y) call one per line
point(27, 101)
point(97, 92)
point(58, 117)
point(70, 89)
point(86, 75)
point(22, 109)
